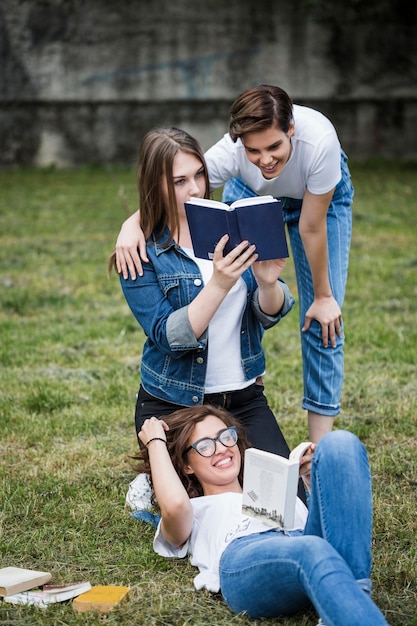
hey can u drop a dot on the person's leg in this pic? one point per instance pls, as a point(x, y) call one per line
point(269, 574)
point(318, 425)
point(148, 406)
point(260, 424)
point(323, 368)
point(340, 507)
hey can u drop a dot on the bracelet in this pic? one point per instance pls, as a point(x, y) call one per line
point(155, 439)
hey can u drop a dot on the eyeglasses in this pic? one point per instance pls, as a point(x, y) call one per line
point(207, 446)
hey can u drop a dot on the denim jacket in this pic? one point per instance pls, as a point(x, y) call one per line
point(174, 362)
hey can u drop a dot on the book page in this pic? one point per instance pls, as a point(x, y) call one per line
point(252, 200)
point(270, 488)
point(209, 202)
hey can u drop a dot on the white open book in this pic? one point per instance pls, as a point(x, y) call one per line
point(270, 484)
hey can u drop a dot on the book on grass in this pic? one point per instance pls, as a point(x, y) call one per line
point(270, 485)
point(258, 220)
point(16, 579)
point(50, 594)
point(101, 598)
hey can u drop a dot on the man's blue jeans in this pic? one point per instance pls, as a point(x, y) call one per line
point(323, 368)
point(328, 564)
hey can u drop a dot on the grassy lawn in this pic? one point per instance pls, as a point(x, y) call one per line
point(69, 358)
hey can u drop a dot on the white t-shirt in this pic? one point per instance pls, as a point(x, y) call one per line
point(224, 363)
point(217, 520)
point(314, 163)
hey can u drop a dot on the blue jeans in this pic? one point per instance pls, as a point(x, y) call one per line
point(328, 564)
point(323, 368)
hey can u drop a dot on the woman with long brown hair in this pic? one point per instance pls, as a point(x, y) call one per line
point(204, 320)
point(195, 457)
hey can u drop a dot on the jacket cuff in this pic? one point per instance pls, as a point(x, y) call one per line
point(180, 335)
point(270, 320)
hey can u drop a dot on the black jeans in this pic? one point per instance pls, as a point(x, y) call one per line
point(249, 406)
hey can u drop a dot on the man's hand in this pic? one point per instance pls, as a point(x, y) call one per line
point(327, 312)
point(130, 240)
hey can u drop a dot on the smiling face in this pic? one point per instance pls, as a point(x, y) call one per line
point(269, 149)
point(218, 473)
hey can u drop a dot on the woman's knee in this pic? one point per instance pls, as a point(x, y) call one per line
point(340, 441)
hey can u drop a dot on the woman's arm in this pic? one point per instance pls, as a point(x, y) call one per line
point(131, 238)
point(175, 330)
point(313, 232)
point(226, 271)
point(161, 310)
point(173, 500)
point(271, 295)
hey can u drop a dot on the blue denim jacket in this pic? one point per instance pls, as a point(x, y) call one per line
point(174, 362)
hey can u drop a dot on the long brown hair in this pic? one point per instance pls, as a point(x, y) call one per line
point(181, 424)
point(260, 108)
point(156, 157)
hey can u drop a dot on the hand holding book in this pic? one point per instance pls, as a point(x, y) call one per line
point(258, 220)
point(270, 484)
point(304, 454)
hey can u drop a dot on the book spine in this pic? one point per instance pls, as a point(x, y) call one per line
point(235, 237)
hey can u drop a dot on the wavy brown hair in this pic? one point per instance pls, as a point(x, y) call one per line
point(181, 425)
point(260, 108)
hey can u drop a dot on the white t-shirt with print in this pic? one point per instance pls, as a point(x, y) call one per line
point(217, 521)
point(314, 163)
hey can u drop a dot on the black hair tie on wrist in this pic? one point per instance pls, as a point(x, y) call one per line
point(155, 439)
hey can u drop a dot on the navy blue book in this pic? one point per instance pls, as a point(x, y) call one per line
point(257, 219)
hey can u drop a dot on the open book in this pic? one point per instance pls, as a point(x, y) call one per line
point(270, 484)
point(258, 220)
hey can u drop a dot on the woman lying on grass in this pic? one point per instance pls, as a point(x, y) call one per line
point(195, 457)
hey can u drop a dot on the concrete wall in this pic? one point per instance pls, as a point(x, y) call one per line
point(82, 80)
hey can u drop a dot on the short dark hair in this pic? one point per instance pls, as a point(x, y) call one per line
point(260, 108)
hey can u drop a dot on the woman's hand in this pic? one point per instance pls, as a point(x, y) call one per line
point(271, 296)
point(153, 428)
point(131, 238)
point(305, 465)
point(229, 268)
point(268, 272)
point(327, 312)
point(226, 271)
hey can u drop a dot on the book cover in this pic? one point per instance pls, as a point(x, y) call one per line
point(16, 579)
point(270, 484)
point(258, 220)
point(50, 594)
point(101, 598)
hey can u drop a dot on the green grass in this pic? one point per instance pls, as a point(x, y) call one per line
point(69, 358)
